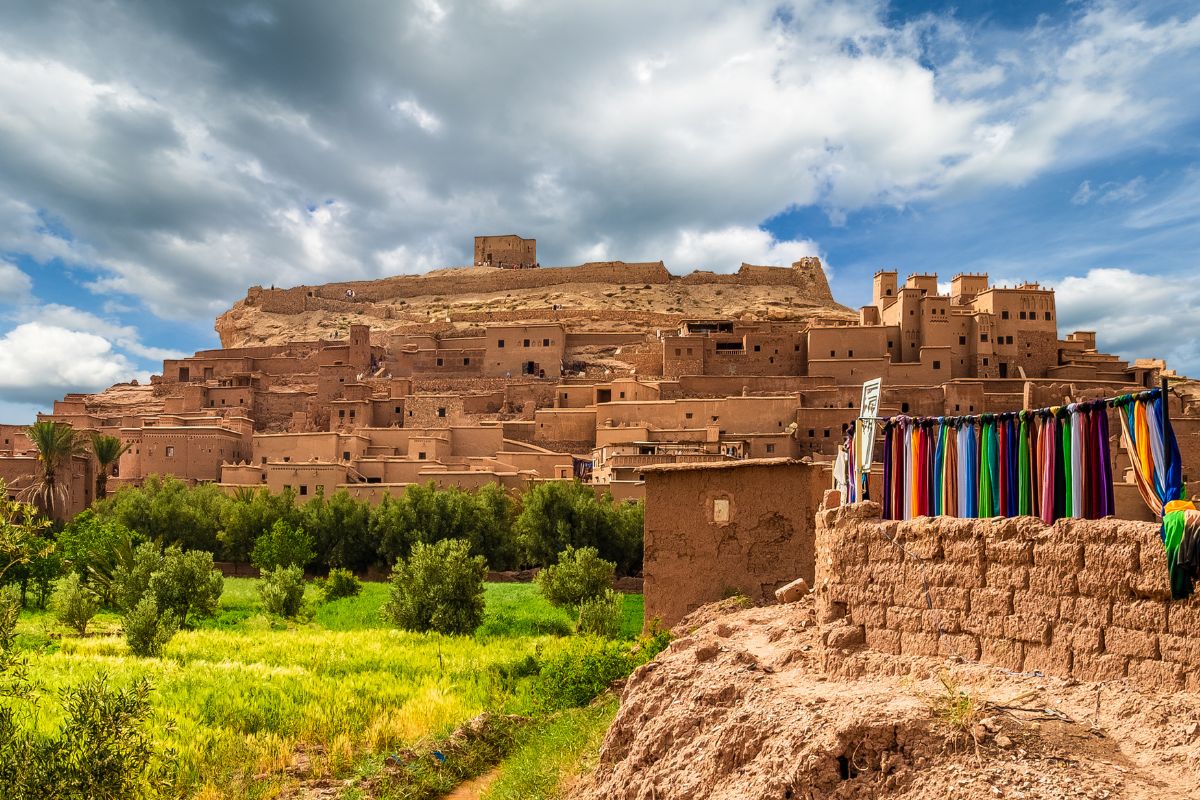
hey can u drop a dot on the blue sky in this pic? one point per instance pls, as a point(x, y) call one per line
point(157, 159)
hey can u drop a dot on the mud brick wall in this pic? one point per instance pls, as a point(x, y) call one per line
point(1084, 599)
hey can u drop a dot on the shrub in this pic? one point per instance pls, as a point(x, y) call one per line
point(146, 631)
point(249, 514)
point(439, 588)
point(556, 514)
point(576, 674)
point(285, 545)
point(167, 510)
point(187, 584)
point(10, 610)
point(340, 583)
point(131, 577)
point(282, 590)
point(602, 615)
point(579, 576)
point(341, 530)
point(74, 604)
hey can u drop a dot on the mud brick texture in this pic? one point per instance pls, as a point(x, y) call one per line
point(1083, 599)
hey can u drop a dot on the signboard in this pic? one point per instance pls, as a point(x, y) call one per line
point(864, 431)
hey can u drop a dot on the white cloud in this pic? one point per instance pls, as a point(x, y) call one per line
point(1136, 315)
point(724, 250)
point(424, 119)
point(125, 337)
point(15, 285)
point(39, 362)
point(1110, 192)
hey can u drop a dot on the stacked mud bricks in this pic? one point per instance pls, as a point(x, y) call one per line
point(1084, 599)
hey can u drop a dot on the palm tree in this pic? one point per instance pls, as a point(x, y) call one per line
point(107, 450)
point(57, 443)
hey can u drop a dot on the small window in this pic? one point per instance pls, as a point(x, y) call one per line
point(264, 459)
point(545, 342)
point(714, 419)
point(287, 458)
point(341, 412)
point(689, 351)
point(758, 348)
point(937, 365)
point(170, 451)
point(678, 352)
point(956, 406)
point(345, 455)
point(1022, 315)
point(983, 337)
point(466, 362)
point(441, 412)
point(688, 415)
point(399, 410)
point(891, 344)
point(1003, 315)
point(440, 362)
point(621, 395)
point(962, 340)
point(303, 489)
point(797, 348)
point(832, 353)
point(849, 354)
point(500, 343)
point(352, 413)
point(812, 433)
point(1047, 316)
point(1008, 340)
point(827, 433)
point(904, 408)
point(421, 455)
point(770, 448)
point(527, 343)
point(985, 362)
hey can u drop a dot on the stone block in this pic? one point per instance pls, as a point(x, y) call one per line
point(831, 499)
point(1091, 667)
point(951, 597)
point(1053, 581)
point(1088, 611)
point(1051, 659)
point(984, 625)
point(883, 641)
point(1080, 638)
point(1143, 615)
point(1029, 601)
point(1027, 628)
point(1016, 552)
point(1000, 652)
point(941, 620)
point(792, 592)
point(1156, 675)
point(1105, 584)
point(1183, 619)
point(963, 645)
point(880, 550)
point(1005, 576)
point(1180, 649)
point(1151, 585)
point(960, 575)
point(969, 551)
point(1065, 555)
point(994, 602)
point(844, 637)
point(1128, 642)
point(868, 614)
point(908, 620)
point(1111, 557)
point(918, 644)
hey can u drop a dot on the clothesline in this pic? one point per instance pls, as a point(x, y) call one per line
point(1060, 411)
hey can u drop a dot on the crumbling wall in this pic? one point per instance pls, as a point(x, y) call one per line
point(1084, 599)
point(714, 530)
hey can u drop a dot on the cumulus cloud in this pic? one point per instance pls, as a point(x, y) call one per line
point(15, 285)
point(39, 362)
point(184, 151)
point(1136, 315)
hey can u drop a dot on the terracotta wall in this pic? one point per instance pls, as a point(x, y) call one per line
point(1084, 599)
point(713, 530)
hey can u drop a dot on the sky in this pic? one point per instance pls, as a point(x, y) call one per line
point(156, 159)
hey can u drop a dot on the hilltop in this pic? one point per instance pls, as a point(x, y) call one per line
point(610, 296)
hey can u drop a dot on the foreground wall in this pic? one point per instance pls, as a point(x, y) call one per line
point(716, 530)
point(1085, 599)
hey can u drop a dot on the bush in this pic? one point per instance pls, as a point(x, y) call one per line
point(558, 514)
point(10, 610)
point(146, 630)
point(74, 604)
point(251, 513)
point(186, 584)
point(340, 583)
point(282, 590)
point(602, 615)
point(131, 577)
point(167, 510)
point(439, 588)
point(579, 576)
point(576, 674)
point(284, 545)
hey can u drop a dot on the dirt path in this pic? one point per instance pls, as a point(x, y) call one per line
point(473, 790)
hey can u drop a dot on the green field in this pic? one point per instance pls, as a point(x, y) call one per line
point(245, 700)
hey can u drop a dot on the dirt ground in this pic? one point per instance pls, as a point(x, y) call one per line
point(766, 703)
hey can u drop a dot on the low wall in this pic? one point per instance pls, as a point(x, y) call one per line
point(1084, 599)
point(738, 527)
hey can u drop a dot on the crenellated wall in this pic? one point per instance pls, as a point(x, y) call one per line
point(1083, 599)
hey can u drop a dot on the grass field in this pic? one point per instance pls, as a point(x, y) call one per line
point(244, 697)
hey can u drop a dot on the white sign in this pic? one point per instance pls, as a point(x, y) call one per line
point(864, 431)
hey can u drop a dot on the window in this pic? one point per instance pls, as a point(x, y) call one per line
point(904, 407)
point(287, 458)
point(399, 410)
point(303, 489)
point(689, 351)
point(1008, 340)
point(770, 448)
point(441, 412)
point(1047, 316)
point(439, 362)
point(956, 406)
point(678, 352)
point(345, 455)
point(832, 353)
point(545, 342)
point(500, 343)
point(1003, 315)
point(341, 413)
point(797, 348)
point(812, 433)
point(621, 395)
point(352, 413)
point(466, 362)
point(688, 415)
point(849, 354)
point(937, 365)
point(421, 455)
point(827, 433)
point(850, 404)
point(985, 362)
point(1022, 315)
point(983, 337)
point(170, 451)
point(715, 418)
point(962, 340)
point(526, 343)
point(264, 459)
point(890, 344)
point(758, 348)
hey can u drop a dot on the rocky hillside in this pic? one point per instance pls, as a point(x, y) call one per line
point(602, 296)
point(766, 703)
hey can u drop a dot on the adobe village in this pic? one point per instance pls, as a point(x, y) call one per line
point(979, 588)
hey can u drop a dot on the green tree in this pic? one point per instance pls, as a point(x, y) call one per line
point(556, 514)
point(249, 514)
point(341, 530)
point(107, 451)
point(27, 554)
point(167, 510)
point(283, 546)
point(74, 604)
point(57, 444)
point(438, 588)
point(579, 576)
point(186, 584)
point(146, 630)
point(282, 590)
